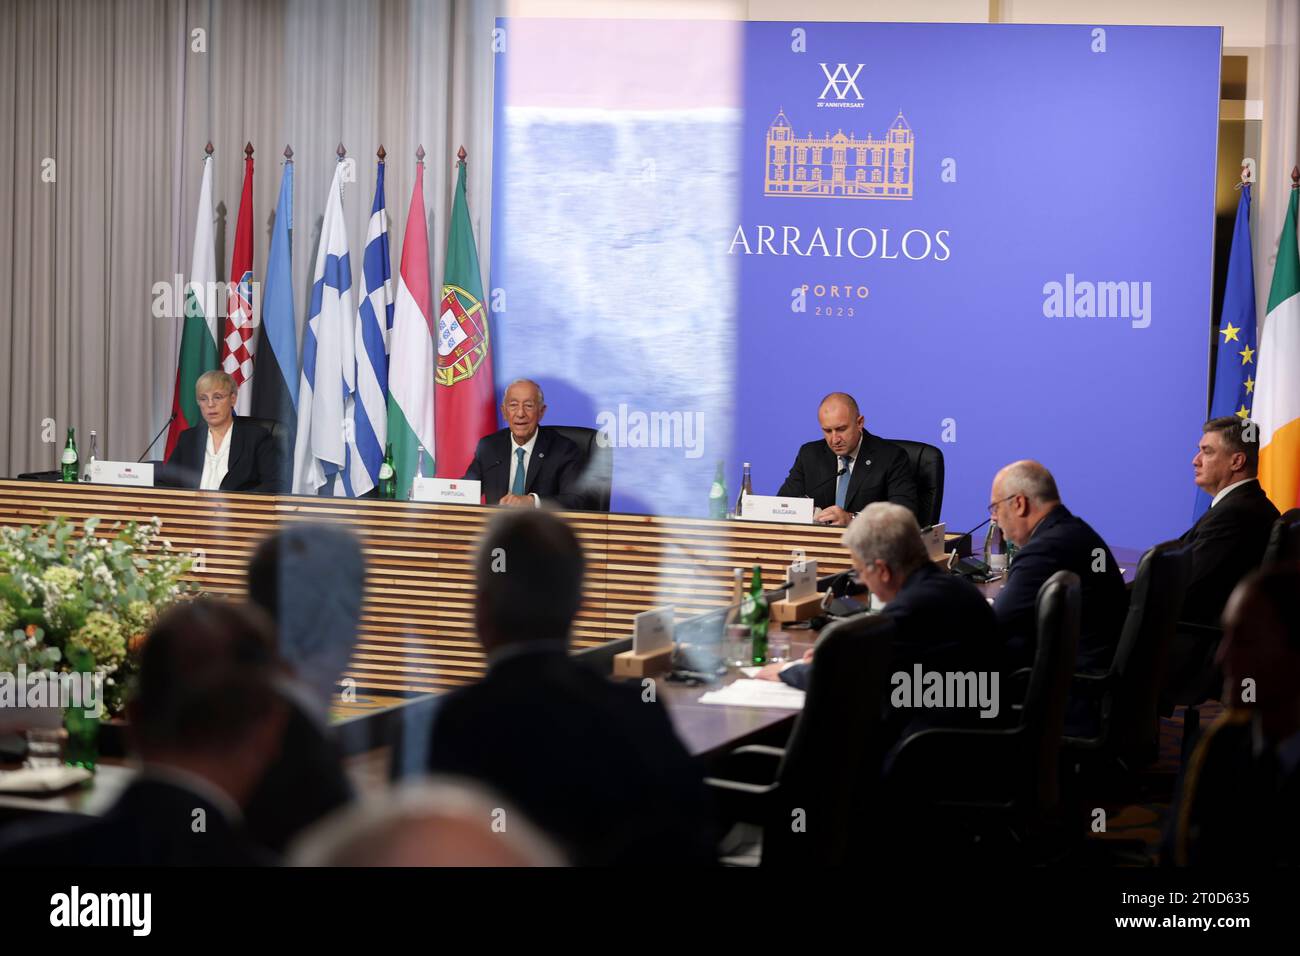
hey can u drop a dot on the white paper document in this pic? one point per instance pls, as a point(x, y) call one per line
point(756, 693)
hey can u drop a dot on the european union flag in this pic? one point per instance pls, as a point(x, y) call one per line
point(1234, 371)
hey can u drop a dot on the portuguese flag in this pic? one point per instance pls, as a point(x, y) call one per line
point(199, 334)
point(466, 403)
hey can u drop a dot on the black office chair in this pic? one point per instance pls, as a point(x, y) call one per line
point(1284, 541)
point(815, 808)
point(1126, 697)
point(958, 785)
point(927, 466)
point(597, 479)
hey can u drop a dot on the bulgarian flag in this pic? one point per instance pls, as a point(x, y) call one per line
point(466, 398)
point(237, 342)
point(410, 364)
point(199, 333)
point(1277, 389)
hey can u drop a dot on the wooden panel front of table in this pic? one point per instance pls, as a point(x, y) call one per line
point(417, 622)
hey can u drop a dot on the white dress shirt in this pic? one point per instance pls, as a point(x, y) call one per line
point(216, 463)
point(528, 447)
point(1224, 492)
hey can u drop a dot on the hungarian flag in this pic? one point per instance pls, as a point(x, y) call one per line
point(199, 333)
point(237, 339)
point(1277, 389)
point(466, 404)
point(410, 369)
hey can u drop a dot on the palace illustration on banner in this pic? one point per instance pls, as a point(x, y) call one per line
point(839, 166)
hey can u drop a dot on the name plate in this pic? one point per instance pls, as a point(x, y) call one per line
point(451, 491)
point(121, 473)
point(803, 581)
point(652, 631)
point(773, 508)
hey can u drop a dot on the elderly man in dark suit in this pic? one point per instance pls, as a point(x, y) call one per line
point(205, 723)
point(588, 760)
point(524, 462)
point(1027, 506)
point(1238, 799)
point(850, 467)
point(942, 621)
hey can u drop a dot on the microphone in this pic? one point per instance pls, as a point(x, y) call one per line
point(822, 484)
point(166, 425)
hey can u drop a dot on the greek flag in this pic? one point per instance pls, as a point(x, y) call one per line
point(373, 326)
point(325, 393)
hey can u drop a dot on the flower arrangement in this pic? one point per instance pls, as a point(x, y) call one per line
point(67, 597)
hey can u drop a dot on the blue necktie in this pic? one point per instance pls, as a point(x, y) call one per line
point(842, 486)
point(517, 487)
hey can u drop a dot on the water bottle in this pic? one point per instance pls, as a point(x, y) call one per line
point(746, 488)
point(995, 548)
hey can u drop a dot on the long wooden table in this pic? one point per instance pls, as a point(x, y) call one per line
point(416, 627)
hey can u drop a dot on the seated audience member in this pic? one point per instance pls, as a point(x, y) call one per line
point(588, 760)
point(1238, 801)
point(432, 822)
point(224, 452)
point(525, 463)
point(942, 621)
point(205, 723)
point(1227, 542)
point(1028, 508)
point(310, 579)
point(870, 468)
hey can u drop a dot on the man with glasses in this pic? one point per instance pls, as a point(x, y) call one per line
point(942, 621)
point(1028, 508)
point(524, 462)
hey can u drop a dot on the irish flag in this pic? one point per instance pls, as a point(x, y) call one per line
point(1277, 389)
point(199, 333)
point(410, 363)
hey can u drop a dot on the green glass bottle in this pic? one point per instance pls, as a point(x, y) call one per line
point(69, 460)
point(754, 615)
point(387, 476)
point(718, 495)
point(82, 726)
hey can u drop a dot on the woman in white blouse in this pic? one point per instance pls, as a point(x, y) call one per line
point(224, 452)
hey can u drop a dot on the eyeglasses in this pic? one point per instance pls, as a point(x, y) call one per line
point(526, 406)
point(216, 398)
point(993, 506)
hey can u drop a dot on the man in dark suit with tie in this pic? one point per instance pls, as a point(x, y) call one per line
point(941, 621)
point(1228, 542)
point(524, 462)
point(1027, 506)
point(1238, 799)
point(849, 468)
point(205, 723)
point(590, 761)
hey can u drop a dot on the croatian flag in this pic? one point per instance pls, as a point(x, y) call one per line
point(373, 327)
point(325, 393)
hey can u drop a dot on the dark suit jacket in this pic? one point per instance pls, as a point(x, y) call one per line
point(943, 623)
point(1234, 807)
point(151, 824)
point(553, 468)
point(302, 785)
point(1063, 542)
point(254, 463)
point(586, 759)
point(888, 477)
point(1228, 543)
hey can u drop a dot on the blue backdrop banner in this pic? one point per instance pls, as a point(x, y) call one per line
point(997, 237)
